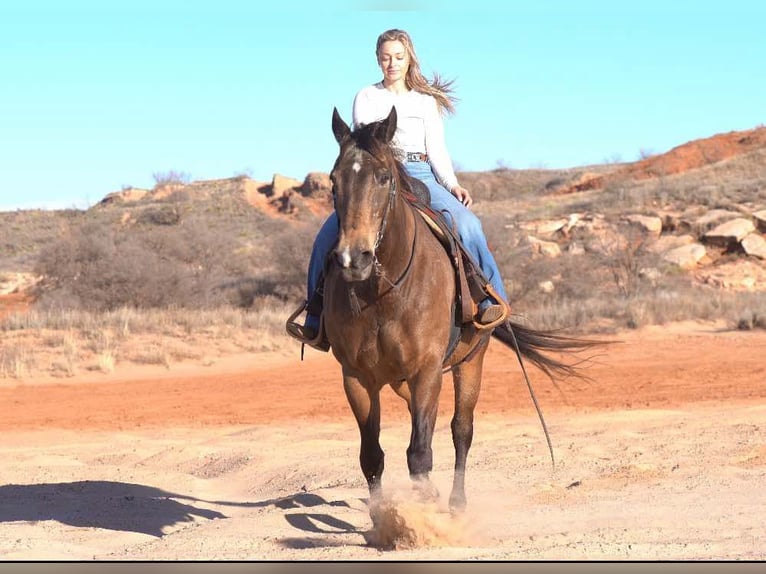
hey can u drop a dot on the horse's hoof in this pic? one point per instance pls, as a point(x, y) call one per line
point(457, 504)
point(426, 491)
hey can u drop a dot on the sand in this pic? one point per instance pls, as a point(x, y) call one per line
point(661, 457)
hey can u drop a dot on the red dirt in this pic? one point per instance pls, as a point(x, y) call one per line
point(14, 303)
point(648, 370)
point(688, 156)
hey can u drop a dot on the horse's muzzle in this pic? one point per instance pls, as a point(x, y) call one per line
point(355, 264)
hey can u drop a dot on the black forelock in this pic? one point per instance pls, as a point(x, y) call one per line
point(365, 138)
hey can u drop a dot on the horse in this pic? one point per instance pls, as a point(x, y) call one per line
point(389, 299)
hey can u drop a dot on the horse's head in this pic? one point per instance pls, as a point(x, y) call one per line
point(364, 181)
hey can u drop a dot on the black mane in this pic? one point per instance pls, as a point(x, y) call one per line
point(369, 138)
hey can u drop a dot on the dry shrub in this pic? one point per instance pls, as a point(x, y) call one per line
point(281, 266)
point(103, 267)
point(15, 361)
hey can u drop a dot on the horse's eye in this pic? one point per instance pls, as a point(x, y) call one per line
point(383, 177)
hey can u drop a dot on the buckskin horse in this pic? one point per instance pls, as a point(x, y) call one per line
point(389, 299)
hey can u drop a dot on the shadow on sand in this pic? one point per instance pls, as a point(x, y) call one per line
point(148, 510)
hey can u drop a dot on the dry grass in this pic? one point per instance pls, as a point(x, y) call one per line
point(64, 343)
point(201, 273)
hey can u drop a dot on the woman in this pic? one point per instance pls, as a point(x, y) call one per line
point(420, 140)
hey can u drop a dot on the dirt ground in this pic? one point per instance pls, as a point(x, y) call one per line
point(661, 457)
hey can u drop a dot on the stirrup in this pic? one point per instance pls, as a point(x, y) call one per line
point(506, 311)
point(297, 332)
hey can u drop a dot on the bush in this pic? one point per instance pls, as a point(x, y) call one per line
point(100, 267)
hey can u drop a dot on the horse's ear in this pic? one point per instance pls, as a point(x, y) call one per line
point(339, 127)
point(390, 124)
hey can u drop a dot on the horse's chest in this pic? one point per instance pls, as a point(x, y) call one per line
point(374, 347)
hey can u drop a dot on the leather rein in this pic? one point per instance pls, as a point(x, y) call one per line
point(379, 238)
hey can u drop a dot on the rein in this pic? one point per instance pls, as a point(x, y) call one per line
point(379, 238)
point(391, 195)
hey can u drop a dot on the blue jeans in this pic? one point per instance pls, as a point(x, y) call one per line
point(468, 227)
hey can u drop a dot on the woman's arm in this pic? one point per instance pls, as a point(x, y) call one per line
point(436, 148)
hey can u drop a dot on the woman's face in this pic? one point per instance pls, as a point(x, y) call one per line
point(393, 61)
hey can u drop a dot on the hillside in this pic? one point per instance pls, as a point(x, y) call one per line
point(157, 411)
point(676, 236)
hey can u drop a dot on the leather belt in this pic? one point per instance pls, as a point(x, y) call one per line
point(416, 156)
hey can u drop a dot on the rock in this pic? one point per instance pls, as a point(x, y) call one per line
point(130, 195)
point(575, 248)
point(729, 233)
point(572, 220)
point(549, 228)
point(281, 184)
point(255, 192)
point(648, 223)
point(672, 221)
point(760, 220)
point(713, 218)
point(546, 286)
point(686, 256)
point(667, 242)
point(16, 282)
point(754, 245)
point(741, 275)
point(544, 248)
point(316, 184)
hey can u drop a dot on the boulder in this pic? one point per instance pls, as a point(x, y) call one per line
point(760, 220)
point(649, 223)
point(281, 184)
point(665, 243)
point(546, 286)
point(712, 218)
point(129, 195)
point(672, 221)
point(544, 248)
point(729, 233)
point(754, 245)
point(741, 275)
point(549, 228)
point(575, 248)
point(316, 184)
point(255, 192)
point(686, 256)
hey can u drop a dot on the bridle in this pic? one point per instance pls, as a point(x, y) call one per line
point(387, 209)
point(389, 205)
point(392, 193)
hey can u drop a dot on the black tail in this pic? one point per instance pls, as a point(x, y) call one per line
point(533, 343)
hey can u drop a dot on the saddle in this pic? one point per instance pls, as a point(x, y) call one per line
point(472, 285)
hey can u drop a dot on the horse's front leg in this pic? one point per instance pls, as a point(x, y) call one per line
point(365, 404)
point(402, 388)
point(424, 403)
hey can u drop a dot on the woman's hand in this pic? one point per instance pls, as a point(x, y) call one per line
point(462, 195)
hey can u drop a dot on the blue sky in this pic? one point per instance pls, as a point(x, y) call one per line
point(96, 96)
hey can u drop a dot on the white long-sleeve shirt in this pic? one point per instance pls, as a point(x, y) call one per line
point(419, 127)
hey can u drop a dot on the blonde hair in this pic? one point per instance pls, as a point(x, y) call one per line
point(439, 88)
